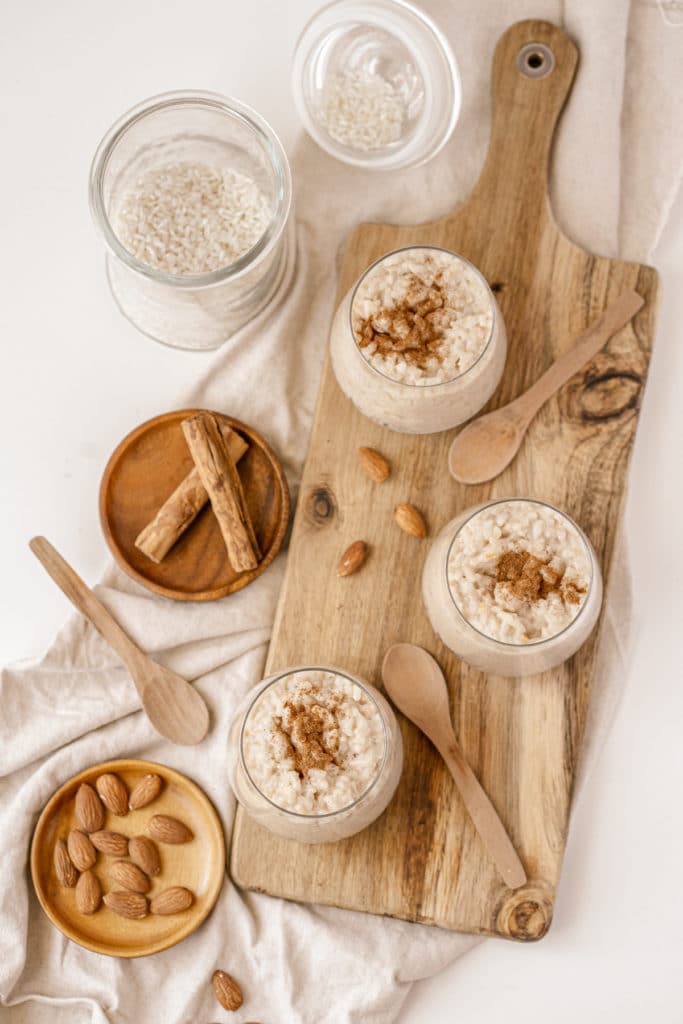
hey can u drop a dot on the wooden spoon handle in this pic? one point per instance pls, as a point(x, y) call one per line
point(616, 316)
point(83, 598)
point(484, 815)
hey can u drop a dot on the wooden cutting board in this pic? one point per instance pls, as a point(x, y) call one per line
point(423, 861)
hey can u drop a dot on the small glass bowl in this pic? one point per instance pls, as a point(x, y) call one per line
point(315, 828)
point(392, 39)
point(192, 311)
point(478, 648)
point(415, 408)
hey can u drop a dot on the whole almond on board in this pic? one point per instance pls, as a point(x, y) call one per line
point(64, 869)
point(81, 850)
point(110, 842)
point(89, 810)
point(113, 794)
point(144, 853)
point(374, 464)
point(127, 904)
point(129, 876)
point(410, 520)
point(227, 991)
point(352, 559)
point(144, 791)
point(88, 893)
point(172, 901)
point(165, 829)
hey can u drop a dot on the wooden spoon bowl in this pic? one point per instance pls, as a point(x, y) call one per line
point(141, 473)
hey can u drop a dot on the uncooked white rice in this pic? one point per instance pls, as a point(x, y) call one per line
point(191, 218)
point(362, 110)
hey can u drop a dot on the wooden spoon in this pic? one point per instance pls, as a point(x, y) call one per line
point(417, 687)
point(485, 447)
point(174, 708)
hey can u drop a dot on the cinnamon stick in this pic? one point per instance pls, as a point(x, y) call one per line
point(183, 506)
point(218, 473)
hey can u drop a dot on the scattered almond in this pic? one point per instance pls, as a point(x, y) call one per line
point(144, 853)
point(89, 810)
point(113, 793)
point(172, 901)
point(81, 850)
point(110, 842)
point(144, 791)
point(352, 559)
point(88, 893)
point(165, 829)
point(127, 904)
point(374, 464)
point(129, 876)
point(64, 869)
point(410, 520)
point(227, 991)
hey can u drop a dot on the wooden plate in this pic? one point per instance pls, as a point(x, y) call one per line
point(145, 468)
point(198, 865)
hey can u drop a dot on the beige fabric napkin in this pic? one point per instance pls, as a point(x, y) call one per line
point(304, 964)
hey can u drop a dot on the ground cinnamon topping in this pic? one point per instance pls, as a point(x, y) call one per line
point(415, 328)
point(312, 734)
point(531, 579)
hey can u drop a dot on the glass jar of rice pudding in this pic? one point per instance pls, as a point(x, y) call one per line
point(314, 754)
point(513, 587)
point(191, 192)
point(419, 344)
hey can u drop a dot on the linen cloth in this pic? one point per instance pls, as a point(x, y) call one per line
point(304, 964)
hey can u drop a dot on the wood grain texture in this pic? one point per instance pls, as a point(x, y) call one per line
point(145, 467)
point(422, 860)
point(199, 865)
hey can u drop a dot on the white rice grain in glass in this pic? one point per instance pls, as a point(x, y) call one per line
point(192, 311)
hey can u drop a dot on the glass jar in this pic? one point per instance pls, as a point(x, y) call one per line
point(416, 408)
point(472, 642)
point(192, 311)
point(311, 827)
point(355, 57)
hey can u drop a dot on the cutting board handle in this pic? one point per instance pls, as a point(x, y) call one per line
point(533, 69)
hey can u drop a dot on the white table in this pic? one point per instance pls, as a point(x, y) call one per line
point(76, 377)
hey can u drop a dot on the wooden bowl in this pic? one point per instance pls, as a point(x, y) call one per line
point(198, 865)
point(145, 468)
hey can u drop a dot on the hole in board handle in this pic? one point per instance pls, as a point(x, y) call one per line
point(535, 60)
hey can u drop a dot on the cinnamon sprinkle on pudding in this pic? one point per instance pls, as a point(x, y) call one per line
point(313, 742)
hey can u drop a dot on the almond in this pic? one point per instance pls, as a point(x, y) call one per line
point(227, 991)
point(144, 853)
point(144, 791)
point(374, 464)
point(88, 893)
point(89, 810)
point(410, 520)
point(168, 830)
point(172, 901)
point(113, 794)
point(81, 850)
point(353, 558)
point(110, 842)
point(129, 876)
point(127, 904)
point(64, 869)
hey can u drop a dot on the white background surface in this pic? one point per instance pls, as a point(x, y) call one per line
point(76, 377)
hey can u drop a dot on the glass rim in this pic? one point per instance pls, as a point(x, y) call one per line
point(572, 523)
point(330, 671)
point(387, 157)
point(233, 108)
point(462, 259)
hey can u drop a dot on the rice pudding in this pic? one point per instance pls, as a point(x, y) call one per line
point(512, 587)
point(316, 755)
point(419, 344)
